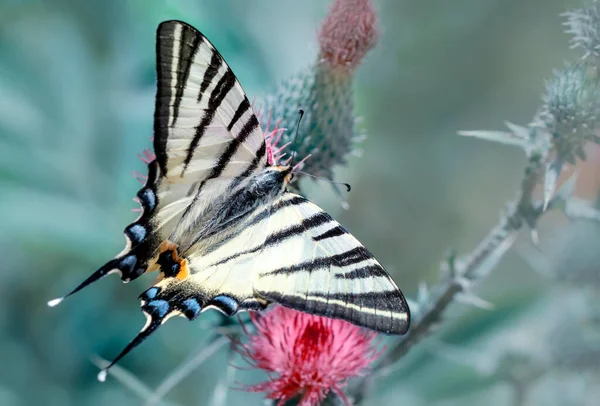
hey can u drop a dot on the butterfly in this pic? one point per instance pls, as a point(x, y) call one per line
point(218, 222)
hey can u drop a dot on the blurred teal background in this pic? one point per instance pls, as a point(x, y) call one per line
point(76, 106)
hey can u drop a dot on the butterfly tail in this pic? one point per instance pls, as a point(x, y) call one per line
point(141, 241)
point(117, 265)
point(156, 313)
point(158, 304)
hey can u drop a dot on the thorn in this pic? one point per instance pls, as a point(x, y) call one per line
point(55, 302)
point(535, 238)
point(464, 283)
point(519, 131)
point(551, 176)
point(469, 298)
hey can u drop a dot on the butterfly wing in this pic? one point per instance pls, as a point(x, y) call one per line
point(207, 141)
point(204, 125)
point(312, 264)
point(294, 254)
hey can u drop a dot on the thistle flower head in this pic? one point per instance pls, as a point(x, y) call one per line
point(348, 33)
point(328, 130)
point(306, 356)
point(584, 26)
point(570, 110)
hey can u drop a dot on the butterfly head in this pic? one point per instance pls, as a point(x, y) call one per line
point(283, 174)
point(286, 172)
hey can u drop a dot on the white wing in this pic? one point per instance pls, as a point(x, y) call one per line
point(312, 264)
point(291, 253)
point(294, 254)
point(207, 142)
point(207, 138)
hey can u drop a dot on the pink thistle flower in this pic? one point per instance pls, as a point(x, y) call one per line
point(306, 356)
point(348, 33)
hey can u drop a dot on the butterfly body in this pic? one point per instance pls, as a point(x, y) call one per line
point(217, 220)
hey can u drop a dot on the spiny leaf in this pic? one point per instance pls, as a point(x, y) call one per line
point(502, 137)
point(518, 130)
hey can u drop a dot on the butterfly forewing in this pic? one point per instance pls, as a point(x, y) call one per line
point(205, 127)
point(207, 141)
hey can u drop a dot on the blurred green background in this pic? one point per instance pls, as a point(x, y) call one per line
point(76, 106)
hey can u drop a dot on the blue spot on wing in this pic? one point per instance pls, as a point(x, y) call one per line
point(126, 265)
point(150, 293)
point(149, 199)
point(137, 233)
point(191, 308)
point(228, 304)
point(158, 307)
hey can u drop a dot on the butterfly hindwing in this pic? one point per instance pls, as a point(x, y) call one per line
point(312, 264)
point(294, 254)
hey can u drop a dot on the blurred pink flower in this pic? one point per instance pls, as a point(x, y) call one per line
point(306, 356)
point(348, 33)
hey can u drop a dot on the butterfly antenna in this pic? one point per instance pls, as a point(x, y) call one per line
point(154, 320)
point(347, 185)
point(301, 113)
point(109, 267)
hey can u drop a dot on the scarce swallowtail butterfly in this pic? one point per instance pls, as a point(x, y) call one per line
point(218, 222)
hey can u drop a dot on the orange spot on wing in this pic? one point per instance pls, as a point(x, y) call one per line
point(184, 271)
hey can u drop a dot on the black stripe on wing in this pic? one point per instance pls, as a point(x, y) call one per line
point(259, 218)
point(280, 236)
point(393, 314)
point(250, 126)
point(357, 289)
point(188, 47)
point(334, 232)
point(176, 47)
point(224, 85)
point(350, 257)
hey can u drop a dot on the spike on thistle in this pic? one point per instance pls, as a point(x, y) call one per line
point(583, 24)
point(306, 356)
